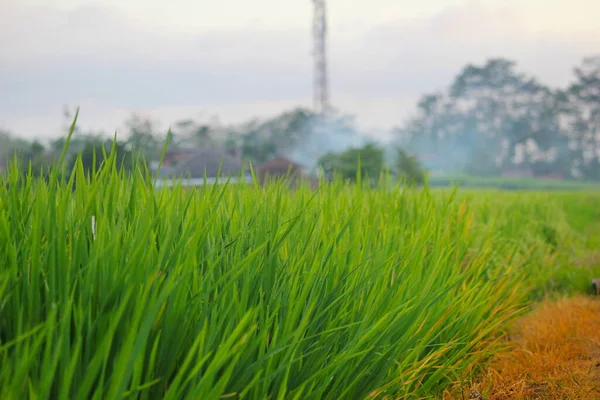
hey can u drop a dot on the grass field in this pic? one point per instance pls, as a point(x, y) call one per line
point(234, 292)
point(511, 183)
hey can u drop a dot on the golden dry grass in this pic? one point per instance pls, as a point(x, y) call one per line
point(554, 354)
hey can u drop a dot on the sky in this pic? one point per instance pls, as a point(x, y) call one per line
point(240, 59)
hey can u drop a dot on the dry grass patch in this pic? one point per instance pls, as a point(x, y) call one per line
point(554, 354)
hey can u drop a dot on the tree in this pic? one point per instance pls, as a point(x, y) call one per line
point(7, 145)
point(257, 149)
point(263, 140)
point(191, 133)
point(370, 158)
point(582, 115)
point(57, 145)
point(92, 150)
point(37, 148)
point(489, 118)
point(142, 137)
point(409, 168)
point(27, 152)
point(510, 109)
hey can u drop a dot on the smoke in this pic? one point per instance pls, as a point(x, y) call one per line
point(477, 151)
point(443, 156)
point(325, 135)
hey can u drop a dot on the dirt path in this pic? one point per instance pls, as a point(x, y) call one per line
point(554, 354)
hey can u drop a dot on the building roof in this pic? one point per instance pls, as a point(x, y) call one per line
point(209, 161)
point(279, 162)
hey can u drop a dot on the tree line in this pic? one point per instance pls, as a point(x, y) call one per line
point(491, 120)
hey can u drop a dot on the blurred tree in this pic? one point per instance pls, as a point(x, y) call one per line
point(191, 133)
point(142, 137)
point(27, 152)
point(346, 163)
point(57, 145)
point(582, 114)
point(491, 116)
point(509, 109)
point(263, 140)
point(409, 168)
point(37, 148)
point(257, 149)
point(92, 149)
point(202, 135)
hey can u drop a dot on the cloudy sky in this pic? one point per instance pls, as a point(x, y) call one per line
point(239, 58)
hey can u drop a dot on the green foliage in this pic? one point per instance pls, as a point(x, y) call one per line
point(190, 133)
point(96, 152)
point(257, 150)
point(367, 160)
point(510, 183)
point(248, 292)
point(409, 168)
point(31, 156)
point(263, 140)
point(491, 113)
point(142, 138)
point(490, 121)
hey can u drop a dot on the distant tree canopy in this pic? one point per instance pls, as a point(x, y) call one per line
point(492, 119)
point(29, 154)
point(369, 160)
point(409, 168)
point(261, 141)
point(93, 155)
point(142, 137)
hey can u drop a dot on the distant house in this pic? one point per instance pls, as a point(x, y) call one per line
point(194, 167)
point(282, 168)
point(278, 168)
point(175, 157)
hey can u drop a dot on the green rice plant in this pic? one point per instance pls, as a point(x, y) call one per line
point(251, 292)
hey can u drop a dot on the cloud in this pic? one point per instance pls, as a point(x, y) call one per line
point(98, 57)
point(95, 52)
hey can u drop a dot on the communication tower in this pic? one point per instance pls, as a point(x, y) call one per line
point(321, 82)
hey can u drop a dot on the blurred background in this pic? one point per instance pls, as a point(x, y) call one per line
point(474, 89)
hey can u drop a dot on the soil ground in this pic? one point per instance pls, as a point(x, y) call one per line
point(553, 353)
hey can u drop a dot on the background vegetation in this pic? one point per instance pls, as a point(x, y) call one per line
point(352, 291)
point(491, 121)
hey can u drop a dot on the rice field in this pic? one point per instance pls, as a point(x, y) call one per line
point(250, 292)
